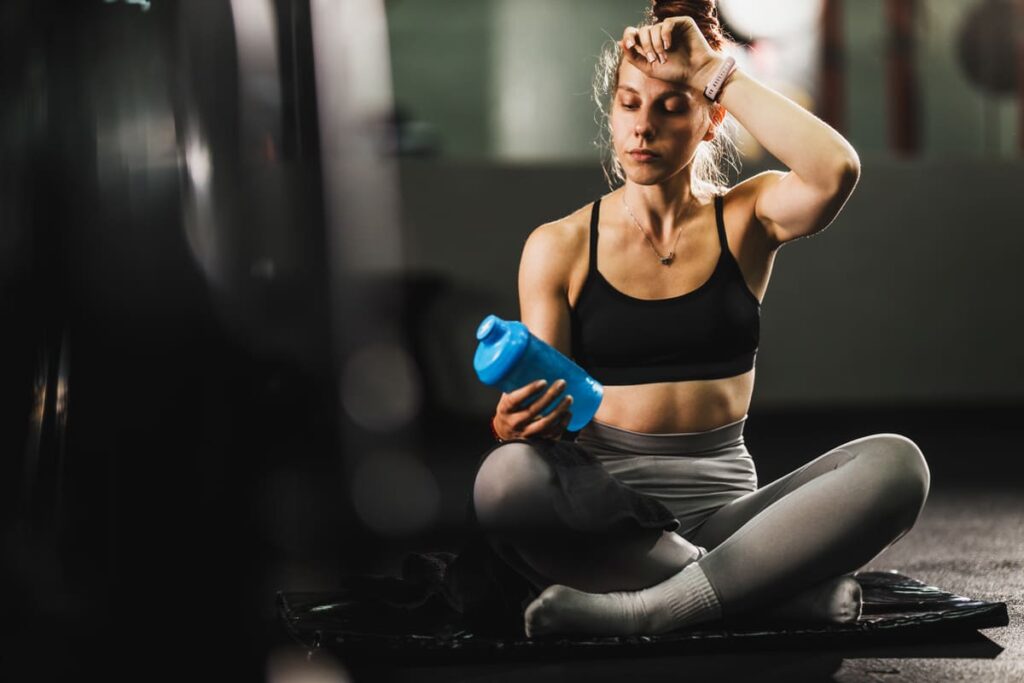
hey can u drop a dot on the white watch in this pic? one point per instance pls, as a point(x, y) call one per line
point(714, 88)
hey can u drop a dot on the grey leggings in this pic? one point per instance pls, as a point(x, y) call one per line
point(827, 518)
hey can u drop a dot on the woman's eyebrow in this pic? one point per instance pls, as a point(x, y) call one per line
point(667, 93)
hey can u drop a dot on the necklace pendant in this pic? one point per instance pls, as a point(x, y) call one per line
point(667, 260)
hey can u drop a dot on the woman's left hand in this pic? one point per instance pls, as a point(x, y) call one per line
point(674, 50)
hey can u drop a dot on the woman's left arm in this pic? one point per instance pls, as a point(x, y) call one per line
point(824, 167)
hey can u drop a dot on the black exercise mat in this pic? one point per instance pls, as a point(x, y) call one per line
point(410, 628)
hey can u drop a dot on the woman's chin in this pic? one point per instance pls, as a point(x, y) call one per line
point(646, 176)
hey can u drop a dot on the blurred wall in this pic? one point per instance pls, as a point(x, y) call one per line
point(503, 79)
point(958, 117)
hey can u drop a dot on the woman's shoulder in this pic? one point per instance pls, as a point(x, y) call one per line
point(563, 240)
point(559, 247)
point(568, 231)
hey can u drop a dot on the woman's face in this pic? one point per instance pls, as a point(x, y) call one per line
point(655, 125)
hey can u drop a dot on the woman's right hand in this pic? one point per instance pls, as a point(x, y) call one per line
point(514, 421)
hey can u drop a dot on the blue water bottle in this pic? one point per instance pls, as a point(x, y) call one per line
point(509, 357)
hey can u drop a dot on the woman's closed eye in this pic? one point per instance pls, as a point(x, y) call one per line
point(676, 105)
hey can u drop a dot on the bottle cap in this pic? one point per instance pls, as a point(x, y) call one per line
point(502, 344)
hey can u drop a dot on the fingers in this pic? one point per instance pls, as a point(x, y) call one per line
point(646, 46)
point(518, 416)
point(657, 33)
point(666, 34)
point(632, 42)
point(552, 424)
point(522, 419)
point(523, 422)
point(633, 57)
point(516, 397)
point(649, 43)
point(629, 38)
point(538, 406)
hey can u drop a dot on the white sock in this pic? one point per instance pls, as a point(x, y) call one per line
point(680, 600)
point(684, 598)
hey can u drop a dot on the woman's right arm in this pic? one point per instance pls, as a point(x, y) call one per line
point(544, 308)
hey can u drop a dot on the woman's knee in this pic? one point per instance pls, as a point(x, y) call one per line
point(903, 473)
point(511, 484)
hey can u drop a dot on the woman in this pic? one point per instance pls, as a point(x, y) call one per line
point(652, 519)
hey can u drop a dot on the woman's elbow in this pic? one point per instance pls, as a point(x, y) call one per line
point(847, 173)
point(838, 183)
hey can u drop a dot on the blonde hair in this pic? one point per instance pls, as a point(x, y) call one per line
point(707, 176)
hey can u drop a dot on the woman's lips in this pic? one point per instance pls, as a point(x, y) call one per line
point(642, 155)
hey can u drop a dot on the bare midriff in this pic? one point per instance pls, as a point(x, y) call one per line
point(677, 407)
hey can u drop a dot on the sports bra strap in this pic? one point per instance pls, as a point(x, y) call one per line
point(594, 213)
point(721, 223)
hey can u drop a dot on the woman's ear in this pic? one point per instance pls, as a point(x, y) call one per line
point(717, 116)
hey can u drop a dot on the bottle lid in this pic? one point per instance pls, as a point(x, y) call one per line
point(502, 344)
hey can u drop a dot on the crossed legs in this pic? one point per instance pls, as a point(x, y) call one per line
point(513, 495)
point(792, 537)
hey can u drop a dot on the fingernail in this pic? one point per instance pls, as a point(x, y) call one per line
point(542, 383)
point(568, 400)
point(629, 43)
point(651, 57)
point(662, 58)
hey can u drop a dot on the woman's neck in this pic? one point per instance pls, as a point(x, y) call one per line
point(663, 207)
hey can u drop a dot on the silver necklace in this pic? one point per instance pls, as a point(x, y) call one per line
point(665, 260)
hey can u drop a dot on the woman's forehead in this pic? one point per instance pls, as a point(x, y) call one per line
point(631, 79)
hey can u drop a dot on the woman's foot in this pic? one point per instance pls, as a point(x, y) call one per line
point(564, 610)
point(836, 601)
point(684, 598)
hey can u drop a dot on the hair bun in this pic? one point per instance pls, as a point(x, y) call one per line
point(703, 12)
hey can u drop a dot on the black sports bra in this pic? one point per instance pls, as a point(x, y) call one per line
point(709, 333)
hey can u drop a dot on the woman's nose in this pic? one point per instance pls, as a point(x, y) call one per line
point(643, 128)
